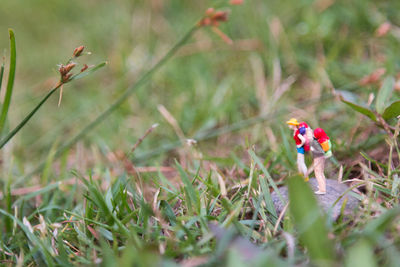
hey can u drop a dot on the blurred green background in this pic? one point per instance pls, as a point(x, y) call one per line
point(284, 53)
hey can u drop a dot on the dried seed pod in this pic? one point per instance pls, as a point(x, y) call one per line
point(62, 70)
point(69, 67)
point(236, 2)
point(78, 51)
point(210, 11)
point(65, 78)
point(85, 67)
point(220, 16)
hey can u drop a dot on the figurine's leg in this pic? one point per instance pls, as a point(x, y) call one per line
point(319, 165)
point(301, 165)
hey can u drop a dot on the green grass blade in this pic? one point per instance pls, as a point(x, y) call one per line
point(361, 254)
point(26, 119)
point(193, 197)
point(375, 228)
point(1, 74)
point(267, 175)
point(32, 237)
point(309, 222)
point(384, 93)
point(10, 82)
point(88, 71)
point(267, 198)
point(38, 106)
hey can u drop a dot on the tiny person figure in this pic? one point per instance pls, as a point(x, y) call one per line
point(302, 144)
point(319, 155)
point(324, 141)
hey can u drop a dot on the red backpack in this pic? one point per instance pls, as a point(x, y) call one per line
point(323, 139)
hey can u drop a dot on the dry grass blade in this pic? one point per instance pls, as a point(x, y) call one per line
point(280, 218)
point(140, 140)
point(173, 122)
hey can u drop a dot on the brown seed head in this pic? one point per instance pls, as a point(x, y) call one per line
point(220, 16)
point(210, 11)
point(85, 67)
point(65, 78)
point(206, 21)
point(215, 23)
point(62, 70)
point(69, 67)
point(78, 51)
point(213, 17)
point(236, 2)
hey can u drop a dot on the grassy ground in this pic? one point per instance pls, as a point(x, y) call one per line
point(98, 203)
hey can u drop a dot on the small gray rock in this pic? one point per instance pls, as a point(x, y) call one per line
point(334, 190)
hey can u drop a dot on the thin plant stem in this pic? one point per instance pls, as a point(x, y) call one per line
point(28, 117)
point(117, 103)
point(1, 73)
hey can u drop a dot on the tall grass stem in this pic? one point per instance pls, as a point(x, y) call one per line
point(129, 91)
point(10, 82)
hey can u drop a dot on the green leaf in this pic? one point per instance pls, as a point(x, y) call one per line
point(363, 110)
point(10, 83)
point(392, 111)
point(361, 254)
point(309, 222)
point(384, 93)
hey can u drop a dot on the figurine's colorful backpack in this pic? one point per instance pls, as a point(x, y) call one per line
point(302, 130)
point(324, 141)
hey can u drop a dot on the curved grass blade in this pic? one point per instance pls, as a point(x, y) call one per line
point(10, 82)
point(267, 175)
point(309, 221)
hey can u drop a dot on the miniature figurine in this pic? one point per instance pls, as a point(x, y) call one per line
point(321, 149)
point(324, 141)
point(320, 145)
point(319, 165)
point(302, 143)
